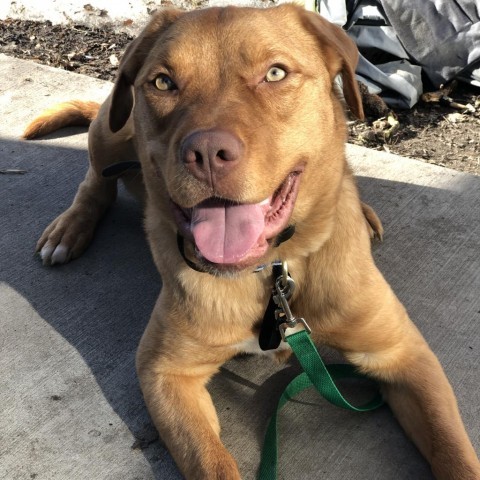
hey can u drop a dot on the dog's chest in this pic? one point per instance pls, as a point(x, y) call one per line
point(251, 345)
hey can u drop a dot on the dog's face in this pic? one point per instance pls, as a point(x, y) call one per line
point(237, 123)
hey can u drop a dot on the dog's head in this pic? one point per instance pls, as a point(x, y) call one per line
point(238, 123)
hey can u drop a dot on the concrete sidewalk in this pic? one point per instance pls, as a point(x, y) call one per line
point(69, 399)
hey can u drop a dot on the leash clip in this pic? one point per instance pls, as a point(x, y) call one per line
point(283, 327)
point(284, 287)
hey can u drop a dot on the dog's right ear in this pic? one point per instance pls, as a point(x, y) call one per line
point(340, 53)
point(136, 53)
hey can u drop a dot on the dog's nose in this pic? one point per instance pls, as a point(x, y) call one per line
point(211, 154)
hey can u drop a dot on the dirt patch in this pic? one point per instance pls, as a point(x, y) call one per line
point(77, 48)
point(437, 133)
point(432, 132)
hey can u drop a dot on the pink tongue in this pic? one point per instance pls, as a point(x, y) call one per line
point(224, 232)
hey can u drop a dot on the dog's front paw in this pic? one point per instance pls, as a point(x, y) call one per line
point(213, 464)
point(222, 467)
point(65, 238)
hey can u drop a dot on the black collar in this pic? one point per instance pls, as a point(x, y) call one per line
point(120, 168)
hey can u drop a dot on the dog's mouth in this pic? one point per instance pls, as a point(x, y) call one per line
point(230, 234)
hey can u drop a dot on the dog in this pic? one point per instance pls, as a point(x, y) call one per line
point(237, 124)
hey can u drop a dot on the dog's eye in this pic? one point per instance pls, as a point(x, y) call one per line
point(164, 82)
point(275, 74)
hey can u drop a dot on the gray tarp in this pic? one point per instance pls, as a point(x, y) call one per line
point(443, 36)
point(398, 40)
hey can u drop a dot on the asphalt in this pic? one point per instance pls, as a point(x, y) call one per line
point(70, 405)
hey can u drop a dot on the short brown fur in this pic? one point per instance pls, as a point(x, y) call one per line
point(299, 121)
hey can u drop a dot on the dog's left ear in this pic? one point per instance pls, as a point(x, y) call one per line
point(341, 56)
point(132, 60)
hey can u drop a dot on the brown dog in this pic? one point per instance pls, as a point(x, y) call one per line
point(234, 117)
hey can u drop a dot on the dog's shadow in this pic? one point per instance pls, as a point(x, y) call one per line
point(101, 303)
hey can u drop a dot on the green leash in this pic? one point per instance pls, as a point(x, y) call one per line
point(315, 374)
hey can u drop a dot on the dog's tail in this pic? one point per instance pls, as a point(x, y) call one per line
point(65, 114)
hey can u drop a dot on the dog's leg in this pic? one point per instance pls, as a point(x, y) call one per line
point(71, 232)
point(173, 385)
point(425, 406)
point(390, 348)
point(185, 418)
